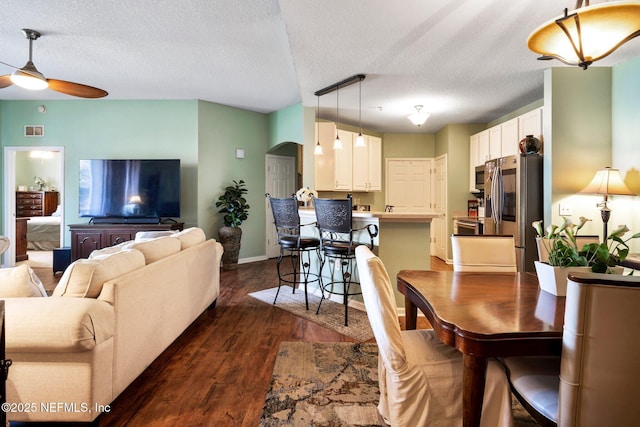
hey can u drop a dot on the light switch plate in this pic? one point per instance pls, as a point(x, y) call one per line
point(565, 209)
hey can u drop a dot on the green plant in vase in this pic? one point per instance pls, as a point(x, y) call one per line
point(610, 253)
point(235, 208)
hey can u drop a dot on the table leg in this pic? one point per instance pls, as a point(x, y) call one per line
point(410, 313)
point(474, 376)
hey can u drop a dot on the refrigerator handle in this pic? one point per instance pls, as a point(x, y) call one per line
point(497, 193)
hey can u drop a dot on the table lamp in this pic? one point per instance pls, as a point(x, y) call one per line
point(607, 182)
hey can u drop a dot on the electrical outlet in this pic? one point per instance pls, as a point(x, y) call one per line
point(565, 209)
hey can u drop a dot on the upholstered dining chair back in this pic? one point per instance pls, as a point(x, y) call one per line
point(490, 253)
point(420, 377)
point(4, 244)
point(596, 380)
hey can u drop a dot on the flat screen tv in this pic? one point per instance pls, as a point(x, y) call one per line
point(129, 191)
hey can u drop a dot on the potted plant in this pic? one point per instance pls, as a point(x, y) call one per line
point(236, 210)
point(565, 256)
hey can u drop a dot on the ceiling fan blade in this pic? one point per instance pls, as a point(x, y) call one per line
point(5, 81)
point(76, 89)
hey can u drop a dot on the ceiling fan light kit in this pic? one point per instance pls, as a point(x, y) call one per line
point(418, 118)
point(588, 34)
point(28, 77)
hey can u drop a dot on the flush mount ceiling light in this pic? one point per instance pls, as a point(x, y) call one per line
point(418, 118)
point(588, 34)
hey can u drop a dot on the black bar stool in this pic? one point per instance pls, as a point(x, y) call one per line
point(287, 222)
point(334, 219)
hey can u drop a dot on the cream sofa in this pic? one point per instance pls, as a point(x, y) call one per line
point(109, 317)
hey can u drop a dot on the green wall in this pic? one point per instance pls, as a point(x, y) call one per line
point(221, 130)
point(577, 139)
point(626, 147)
point(202, 135)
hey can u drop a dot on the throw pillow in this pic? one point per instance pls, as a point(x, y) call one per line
point(84, 277)
point(190, 237)
point(109, 250)
point(143, 236)
point(158, 248)
point(21, 281)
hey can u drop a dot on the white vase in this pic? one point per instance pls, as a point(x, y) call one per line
point(554, 279)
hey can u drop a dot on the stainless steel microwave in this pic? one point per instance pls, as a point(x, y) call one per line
point(479, 178)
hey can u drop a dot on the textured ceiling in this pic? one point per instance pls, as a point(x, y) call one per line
point(466, 61)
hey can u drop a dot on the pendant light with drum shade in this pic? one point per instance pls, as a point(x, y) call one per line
point(588, 34)
point(318, 150)
point(360, 139)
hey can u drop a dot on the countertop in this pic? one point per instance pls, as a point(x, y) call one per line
point(424, 217)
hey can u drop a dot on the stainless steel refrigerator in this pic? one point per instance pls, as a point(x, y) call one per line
point(513, 200)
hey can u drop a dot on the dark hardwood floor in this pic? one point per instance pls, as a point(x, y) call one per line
point(218, 371)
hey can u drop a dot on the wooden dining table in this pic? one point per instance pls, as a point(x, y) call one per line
point(484, 315)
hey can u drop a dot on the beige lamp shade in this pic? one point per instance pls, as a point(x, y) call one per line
point(607, 181)
point(587, 34)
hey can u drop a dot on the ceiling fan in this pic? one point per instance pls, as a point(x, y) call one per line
point(29, 77)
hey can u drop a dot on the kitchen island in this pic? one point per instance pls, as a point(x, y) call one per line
point(403, 240)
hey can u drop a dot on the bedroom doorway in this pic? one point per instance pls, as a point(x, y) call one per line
point(21, 167)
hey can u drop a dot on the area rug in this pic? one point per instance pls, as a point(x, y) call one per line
point(331, 314)
point(331, 385)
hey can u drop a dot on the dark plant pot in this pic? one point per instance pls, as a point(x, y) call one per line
point(230, 240)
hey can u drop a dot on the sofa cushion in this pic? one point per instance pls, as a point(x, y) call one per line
point(143, 236)
point(20, 281)
point(156, 249)
point(57, 325)
point(109, 249)
point(190, 237)
point(84, 278)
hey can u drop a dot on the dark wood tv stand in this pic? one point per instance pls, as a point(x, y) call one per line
point(87, 237)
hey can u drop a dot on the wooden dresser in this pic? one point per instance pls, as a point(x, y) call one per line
point(36, 203)
point(87, 237)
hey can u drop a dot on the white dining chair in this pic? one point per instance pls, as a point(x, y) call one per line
point(595, 381)
point(483, 253)
point(420, 377)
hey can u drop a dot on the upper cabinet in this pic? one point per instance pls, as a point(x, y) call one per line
point(367, 161)
point(350, 169)
point(502, 140)
point(509, 138)
point(530, 124)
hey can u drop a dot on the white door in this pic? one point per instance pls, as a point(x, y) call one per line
point(408, 187)
point(439, 225)
point(280, 182)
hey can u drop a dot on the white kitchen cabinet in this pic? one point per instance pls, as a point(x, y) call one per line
point(325, 177)
point(509, 138)
point(473, 161)
point(343, 160)
point(349, 169)
point(495, 142)
point(530, 124)
point(367, 165)
point(484, 152)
